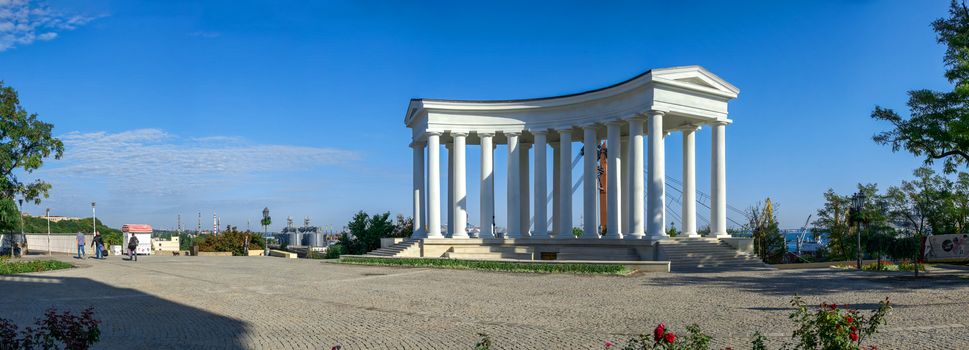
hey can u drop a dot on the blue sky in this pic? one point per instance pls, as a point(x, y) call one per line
point(177, 107)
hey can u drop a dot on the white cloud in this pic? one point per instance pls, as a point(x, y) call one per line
point(205, 34)
point(155, 163)
point(23, 22)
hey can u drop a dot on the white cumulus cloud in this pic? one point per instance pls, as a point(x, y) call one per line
point(23, 22)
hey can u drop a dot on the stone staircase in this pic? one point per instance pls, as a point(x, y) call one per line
point(406, 248)
point(706, 255)
point(490, 252)
point(601, 254)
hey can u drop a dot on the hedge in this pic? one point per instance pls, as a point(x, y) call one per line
point(508, 266)
point(9, 267)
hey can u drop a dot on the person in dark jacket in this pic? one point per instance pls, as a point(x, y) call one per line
point(98, 244)
point(132, 246)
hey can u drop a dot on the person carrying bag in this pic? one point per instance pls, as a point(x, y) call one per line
point(132, 245)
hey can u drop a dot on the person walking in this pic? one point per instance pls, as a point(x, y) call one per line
point(98, 244)
point(132, 246)
point(80, 245)
point(245, 246)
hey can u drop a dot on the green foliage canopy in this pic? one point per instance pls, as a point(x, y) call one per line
point(9, 220)
point(230, 241)
point(365, 231)
point(768, 240)
point(25, 142)
point(938, 127)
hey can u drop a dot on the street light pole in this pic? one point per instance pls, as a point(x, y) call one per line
point(48, 231)
point(857, 205)
point(265, 230)
point(22, 236)
point(94, 220)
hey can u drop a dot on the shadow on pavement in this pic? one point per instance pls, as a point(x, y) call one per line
point(129, 318)
point(811, 282)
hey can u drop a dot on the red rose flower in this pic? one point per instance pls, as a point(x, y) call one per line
point(834, 306)
point(609, 344)
point(658, 332)
point(849, 319)
point(670, 337)
point(853, 336)
point(854, 329)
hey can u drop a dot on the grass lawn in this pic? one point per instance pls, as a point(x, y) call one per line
point(507, 266)
point(9, 267)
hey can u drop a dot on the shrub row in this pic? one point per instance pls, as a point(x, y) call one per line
point(905, 265)
point(8, 267)
point(608, 269)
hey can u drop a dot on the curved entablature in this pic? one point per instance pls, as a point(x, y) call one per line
point(688, 96)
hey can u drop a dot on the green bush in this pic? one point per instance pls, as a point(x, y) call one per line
point(186, 241)
point(57, 330)
point(231, 241)
point(9, 267)
point(609, 269)
point(334, 251)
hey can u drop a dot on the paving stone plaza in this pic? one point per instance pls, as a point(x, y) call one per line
point(264, 303)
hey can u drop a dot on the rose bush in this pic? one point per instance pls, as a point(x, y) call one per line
point(829, 328)
point(54, 331)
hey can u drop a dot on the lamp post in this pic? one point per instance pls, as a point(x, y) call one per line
point(265, 230)
point(857, 204)
point(22, 236)
point(48, 230)
point(94, 218)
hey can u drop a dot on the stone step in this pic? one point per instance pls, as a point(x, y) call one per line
point(704, 255)
point(492, 249)
point(489, 256)
point(585, 257)
point(394, 249)
point(707, 256)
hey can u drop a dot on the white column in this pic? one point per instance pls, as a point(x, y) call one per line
point(636, 190)
point(513, 229)
point(525, 189)
point(565, 185)
point(450, 187)
point(460, 186)
point(718, 183)
point(487, 185)
point(419, 231)
point(688, 211)
point(625, 199)
point(656, 206)
point(614, 208)
point(434, 185)
point(541, 187)
point(556, 185)
point(589, 189)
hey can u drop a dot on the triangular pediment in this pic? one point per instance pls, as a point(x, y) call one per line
point(697, 81)
point(695, 75)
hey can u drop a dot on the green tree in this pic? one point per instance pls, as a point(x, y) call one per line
point(25, 142)
point(9, 221)
point(938, 127)
point(230, 241)
point(403, 227)
point(912, 204)
point(768, 240)
point(917, 205)
point(365, 231)
point(577, 231)
point(960, 203)
point(832, 219)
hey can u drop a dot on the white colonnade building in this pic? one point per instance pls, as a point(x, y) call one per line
point(632, 117)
